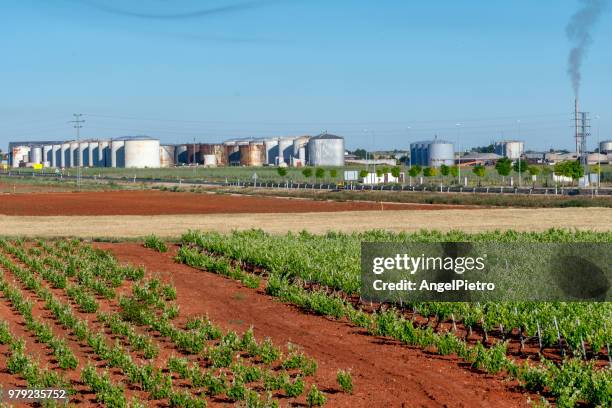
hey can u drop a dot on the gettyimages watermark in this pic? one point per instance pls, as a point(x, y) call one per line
point(486, 271)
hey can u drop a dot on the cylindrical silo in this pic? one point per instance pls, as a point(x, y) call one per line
point(20, 154)
point(440, 152)
point(232, 153)
point(272, 154)
point(65, 160)
point(605, 147)
point(36, 156)
point(512, 149)
point(104, 154)
point(210, 160)
point(166, 155)
point(47, 154)
point(117, 153)
point(252, 154)
point(56, 152)
point(92, 154)
point(180, 154)
point(141, 152)
point(326, 150)
point(83, 160)
point(215, 149)
point(74, 154)
point(299, 142)
point(193, 153)
point(285, 150)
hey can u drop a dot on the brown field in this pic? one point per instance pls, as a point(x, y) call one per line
point(151, 202)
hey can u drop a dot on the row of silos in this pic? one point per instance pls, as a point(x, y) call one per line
point(132, 152)
point(432, 153)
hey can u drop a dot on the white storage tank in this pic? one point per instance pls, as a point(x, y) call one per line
point(35, 155)
point(512, 149)
point(92, 154)
point(285, 150)
point(166, 155)
point(56, 153)
point(210, 160)
point(47, 155)
point(19, 154)
point(83, 160)
point(605, 147)
point(271, 151)
point(117, 153)
point(324, 150)
point(440, 152)
point(74, 154)
point(65, 159)
point(141, 152)
point(104, 154)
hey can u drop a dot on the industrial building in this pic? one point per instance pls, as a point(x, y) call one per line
point(433, 153)
point(146, 152)
point(512, 149)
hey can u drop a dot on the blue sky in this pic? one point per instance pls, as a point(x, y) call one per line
point(381, 73)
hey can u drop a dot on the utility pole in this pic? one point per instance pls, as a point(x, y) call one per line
point(78, 125)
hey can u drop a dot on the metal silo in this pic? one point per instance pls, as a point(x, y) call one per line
point(166, 155)
point(19, 154)
point(440, 152)
point(271, 146)
point(285, 150)
point(117, 153)
point(92, 154)
point(83, 154)
point(298, 142)
point(180, 154)
point(47, 155)
point(214, 149)
point(232, 153)
point(326, 150)
point(65, 155)
point(74, 154)
point(605, 146)
point(56, 155)
point(511, 149)
point(252, 154)
point(141, 152)
point(104, 154)
point(193, 153)
point(210, 160)
point(35, 155)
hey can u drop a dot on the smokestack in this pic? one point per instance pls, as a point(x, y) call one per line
point(577, 129)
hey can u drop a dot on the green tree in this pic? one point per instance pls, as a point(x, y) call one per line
point(415, 170)
point(395, 171)
point(454, 171)
point(444, 170)
point(319, 173)
point(572, 169)
point(363, 174)
point(520, 166)
point(307, 172)
point(479, 171)
point(503, 167)
point(533, 170)
point(385, 170)
point(333, 173)
point(429, 172)
point(282, 171)
point(379, 173)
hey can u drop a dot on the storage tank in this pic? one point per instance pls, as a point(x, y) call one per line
point(47, 154)
point(141, 152)
point(325, 150)
point(512, 149)
point(193, 153)
point(56, 155)
point(215, 149)
point(92, 154)
point(20, 154)
point(65, 159)
point(440, 152)
point(74, 153)
point(210, 160)
point(252, 154)
point(298, 142)
point(605, 146)
point(35, 155)
point(104, 154)
point(166, 155)
point(285, 149)
point(424, 154)
point(83, 154)
point(271, 146)
point(180, 154)
point(117, 153)
point(231, 153)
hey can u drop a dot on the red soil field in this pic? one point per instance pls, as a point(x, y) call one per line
point(385, 373)
point(159, 202)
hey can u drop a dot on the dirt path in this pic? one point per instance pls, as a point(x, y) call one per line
point(151, 202)
point(597, 219)
point(385, 373)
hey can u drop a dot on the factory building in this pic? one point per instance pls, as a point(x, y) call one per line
point(433, 153)
point(512, 149)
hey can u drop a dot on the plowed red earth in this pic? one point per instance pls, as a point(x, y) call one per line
point(385, 373)
point(159, 202)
